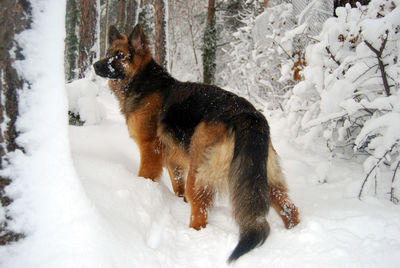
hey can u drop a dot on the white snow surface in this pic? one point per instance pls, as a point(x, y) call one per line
point(98, 213)
point(80, 203)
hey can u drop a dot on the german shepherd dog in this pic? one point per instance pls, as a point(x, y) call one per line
point(208, 139)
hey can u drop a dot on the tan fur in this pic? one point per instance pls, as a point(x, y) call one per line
point(201, 193)
point(177, 161)
point(279, 196)
point(142, 127)
point(215, 169)
point(274, 172)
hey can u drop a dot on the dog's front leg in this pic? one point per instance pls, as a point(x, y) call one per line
point(150, 159)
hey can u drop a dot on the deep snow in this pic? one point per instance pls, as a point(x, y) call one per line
point(148, 225)
point(79, 202)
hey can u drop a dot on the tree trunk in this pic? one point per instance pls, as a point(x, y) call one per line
point(87, 35)
point(15, 17)
point(121, 15)
point(104, 43)
point(131, 15)
point(160, 47)
point(71, 40)
point(209, 45)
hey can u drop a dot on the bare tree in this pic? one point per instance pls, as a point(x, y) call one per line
point(160, 47)
point(15, 17)
point(131, 15)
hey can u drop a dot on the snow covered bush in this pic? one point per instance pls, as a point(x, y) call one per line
point(84, 108)
point(268, 52)
point(350, 98)
point(258, 54)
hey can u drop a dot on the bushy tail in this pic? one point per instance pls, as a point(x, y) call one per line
point(248, 185)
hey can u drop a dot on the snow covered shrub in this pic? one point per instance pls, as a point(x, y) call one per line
point(350, 95)
point(258, 54)
point(84, 108)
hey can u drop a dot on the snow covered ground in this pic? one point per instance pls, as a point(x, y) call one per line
point(80, 203)
point(147, 226)
point(103, 215)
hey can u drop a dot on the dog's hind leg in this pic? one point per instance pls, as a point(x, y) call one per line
point(284, 206)
point(279, 196)
point(200, 184)
point(201, 199)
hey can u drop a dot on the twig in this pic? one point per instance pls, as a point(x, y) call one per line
point(372, 169)
point(366, 71)
point(378, 54)
point(332, 56)
point(290, 57)
point(392, 197)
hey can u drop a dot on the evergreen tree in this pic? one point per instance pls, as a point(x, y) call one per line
point(71, 40)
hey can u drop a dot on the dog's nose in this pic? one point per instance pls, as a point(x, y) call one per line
point(97, 66)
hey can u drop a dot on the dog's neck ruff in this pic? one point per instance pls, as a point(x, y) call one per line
point(151, 73)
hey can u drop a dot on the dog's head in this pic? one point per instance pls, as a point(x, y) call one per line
point(126, 55)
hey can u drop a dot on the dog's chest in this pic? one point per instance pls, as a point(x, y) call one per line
point(142, 120)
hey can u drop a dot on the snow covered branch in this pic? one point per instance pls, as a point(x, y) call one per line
point(332, 56)
point(381, 64)
point(374, 167)
point(393, 198)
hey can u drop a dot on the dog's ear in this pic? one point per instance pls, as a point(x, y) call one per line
point(113, 34)
point(138, 39)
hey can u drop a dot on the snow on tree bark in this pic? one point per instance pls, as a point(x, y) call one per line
point(15, 17)
point(209, 45)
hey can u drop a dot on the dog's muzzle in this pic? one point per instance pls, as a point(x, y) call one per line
point(108, 69)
